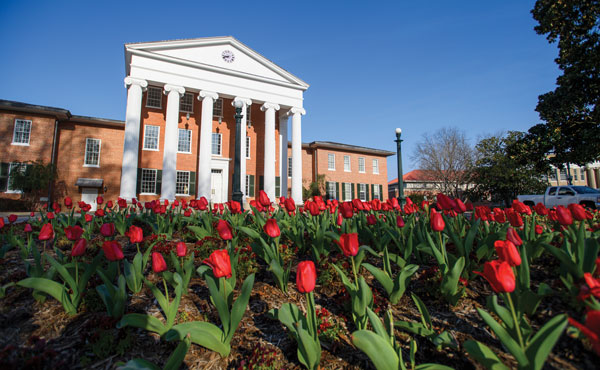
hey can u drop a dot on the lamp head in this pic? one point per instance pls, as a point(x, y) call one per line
point(238, 104)
point(398, 130)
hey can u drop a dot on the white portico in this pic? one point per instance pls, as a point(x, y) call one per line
point(212, 69)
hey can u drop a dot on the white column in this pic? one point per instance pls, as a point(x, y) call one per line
point(246, 102)
point(296, 114)
point(283, 153)
point(169, 170)
point(269, 169)
point(205, 152)
point(133, 117)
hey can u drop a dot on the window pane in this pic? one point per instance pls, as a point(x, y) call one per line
point(151, 134)
point(154, 98)
point(331, 161)
point(375, 166)
point(92, 152)
point(182, 186)
point(348, 191)
point(216, 144)
point(248, 115)
point(347, 163)
point(184, 144)
point(22, 131)
point(289, 166)
point(218, 107)
point(148, 180)
point(247, 187)
point(187, 103)
point(361, 164)
point(247, 146)
point(361, 194)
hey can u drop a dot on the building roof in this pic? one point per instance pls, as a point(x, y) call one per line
point(98, 121)
point(33, 108)
point(345, 147)
point(414, 175)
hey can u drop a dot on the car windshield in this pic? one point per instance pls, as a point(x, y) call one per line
point(585, 190)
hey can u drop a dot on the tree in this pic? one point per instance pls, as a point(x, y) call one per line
point(33, 179)
point(447, 157)
point(571, 113)
point(498, 175)
point(315, 188)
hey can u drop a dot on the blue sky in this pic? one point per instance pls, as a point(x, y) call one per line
point(372, 66)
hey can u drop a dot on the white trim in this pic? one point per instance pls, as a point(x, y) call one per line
point(220, 144)
point(364, 198)
point(86, 151)
point(188, 186)
point(331, 168)
point(348, 189)
point(375, 160)
point(11, 191)
point(364, 165)
point(148, 94)
point(15, 132)
point(181, 102)
point(157, 139)
point(349, 164)
point(223, 165)
point(155, 180)
point(190, 152)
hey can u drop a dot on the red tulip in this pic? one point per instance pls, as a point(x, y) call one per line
point(339, 220)
point(27, 228)
point(68, 202)
point(520, 207)
point(112, 250)
point(313, 208)
point(1, 222)
point(591, 329)
point(181, 248)
point(514, 218)
point(539, 229)
point(99, 200)
point(444, 201)
point(437, 221)
point(271, 228)
point(220, 263)
point(513, 236)
point(73, 232)
point(50, 215)
point(577, 211)
point(349, 244)
point(158, 262)
point(358, 204)
point(346, 209)
point(459, 206)
point(541, 209)
point(500, 276)
point(107, 229)
point(235, 207)
point(88, 217)
point(122, 203)
point(78, 248)
point(399, 221)
point(306, 276)
point(202, 204)
point(263, 199)
point(224, 230)
point(135, 234)
point(371, 220)
point(508, 252)
point(99, 213)
point(12, 218)
point(290, 205)
point(188, 212)
point(499, 215)
point(564, 216)
point(47, 232)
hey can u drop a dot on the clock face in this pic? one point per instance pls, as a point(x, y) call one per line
point(228, 56)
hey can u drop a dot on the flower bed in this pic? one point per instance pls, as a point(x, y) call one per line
point(330, 285)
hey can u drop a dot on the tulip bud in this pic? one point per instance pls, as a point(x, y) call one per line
point(158, 262)
point(349, 244)
point(220, 263)
point(306, 276)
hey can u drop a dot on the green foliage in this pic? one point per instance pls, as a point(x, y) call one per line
point(315, 188)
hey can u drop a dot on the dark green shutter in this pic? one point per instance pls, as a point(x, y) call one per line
point(327, 192)
point(380, 192)
point(4, 176)
point(138, 185)
point(353, 193)
point(192, 183)
point(372, 190)
point(261, 183)
point(277, 186)
point(251, 186)
point(343, 197)
point(158, 181)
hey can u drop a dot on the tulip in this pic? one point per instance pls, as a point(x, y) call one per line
point(28, 228)
point(339, 220)
point(47, 232)
point(135, 234)
point(349, 244)
point(520, 207)
point(220, 263)
point(224, 230)
point(78, 248)
point(499, 215)
point(290, 205)
point(1, 222)
point(202, 204)
point(376, 205)
point(112, 250)
point(591, 329)
point(500, 276)
point(99, 200)
point(459, 206)
point(306, 276)
point(437, 221)
point(181, 248)
point(107, 229)
point(399, 221)
point(508, 252)
point(188, 212)
point(346, 210)
point(50, 215)
point(263, 199)
point(235, 207)
point(12, 218)
point(99, 213)
point(68, 202)
point(564, 216)
point(539, 229)
point(358, 204)
point(88, 218)
point(371, 220)
point(122, 202)
point(577, 211)
point(514, 218)
point(541, 209)
point(513, 236)
point(271, 228)
point(73, 232)
point(313, 208)
point(158, 262)
point(444, 201)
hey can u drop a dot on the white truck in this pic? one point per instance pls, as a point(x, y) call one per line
point(563, 196)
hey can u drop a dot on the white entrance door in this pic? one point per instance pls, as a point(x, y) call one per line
point(89, 196)
point(216, 186)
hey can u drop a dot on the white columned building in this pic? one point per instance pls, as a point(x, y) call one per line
point(213, 70)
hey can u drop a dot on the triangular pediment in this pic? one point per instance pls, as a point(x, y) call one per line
point(225, 54)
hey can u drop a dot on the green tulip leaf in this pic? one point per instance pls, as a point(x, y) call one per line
point(484, 355)
point(202, 333)
point(380, 352)
point(544, 340)
point(147, 322)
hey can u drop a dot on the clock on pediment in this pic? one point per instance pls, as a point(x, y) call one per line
point(228, 56)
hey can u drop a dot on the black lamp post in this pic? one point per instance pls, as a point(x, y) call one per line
point(399, 156)
point(237, 191)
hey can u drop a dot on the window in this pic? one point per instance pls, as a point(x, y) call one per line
point(553, 175)
point(216, 143)
point(218, 108)
point(362, 192)
point(148, 184)
point(331, 190)
point(10, 169)
point(247, 147)
point(4, 168)
point(249, 185)
point(361, 164)
point(154, 97)
point(331, 162)
point(347, 163)
point(289, 166)
point(182, 184)
point(248, 115)
point(552, 191)
point(563, 174)
point(22, 132)
point(184, 142)
point(186, 104)
point(582, 172)
point(376, 194)
point(92, 153)
point(575, 173)
point(151, 136)
point(376, 166)
point(347, 191)
point(565, 191)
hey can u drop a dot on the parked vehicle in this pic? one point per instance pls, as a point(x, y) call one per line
point(563, 196)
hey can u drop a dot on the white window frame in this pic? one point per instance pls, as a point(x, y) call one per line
point(220, 115)
point(157, 139)
point(247, 186)
point(86, 152)
point(248, 143)
point(190, 141)
point(332, 191)
point(362, 192)
point(148, 97)
point(347, 191)
point(17, 121)
point(188, 183)
point(363, 165)
point(290, 169)
point(182, 103)
point(220, 144)
point(376, 166)
point(347, 168)
point(248, 115)
point(142, 180)
point(8, 189)
point(329, 156)
point(376, 190)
